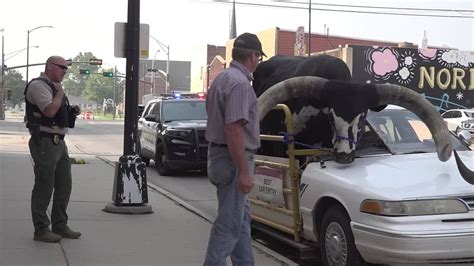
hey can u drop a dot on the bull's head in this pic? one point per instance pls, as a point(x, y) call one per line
point(348, 104)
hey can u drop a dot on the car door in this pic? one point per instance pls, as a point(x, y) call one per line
point(154, 127)
point(141, 129)
point(146, 126)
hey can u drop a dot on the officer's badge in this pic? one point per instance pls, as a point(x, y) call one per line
point(55, 139)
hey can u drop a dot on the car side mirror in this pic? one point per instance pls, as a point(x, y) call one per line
point(465, 136)
point(151, 117)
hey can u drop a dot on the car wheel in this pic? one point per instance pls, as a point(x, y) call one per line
point(139, 151)
point(336, 239)
point(160, 161)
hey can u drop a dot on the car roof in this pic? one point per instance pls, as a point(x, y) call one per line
point(462, 110)
point(172, 99)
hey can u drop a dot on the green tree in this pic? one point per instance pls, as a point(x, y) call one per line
point(98, 88)
point(14, 81)
point(75, 83)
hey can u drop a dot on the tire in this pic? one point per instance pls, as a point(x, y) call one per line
point(337, 241)
point(160, 161)
point(146, 161)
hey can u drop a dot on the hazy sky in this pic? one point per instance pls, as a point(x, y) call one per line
point(88, 25)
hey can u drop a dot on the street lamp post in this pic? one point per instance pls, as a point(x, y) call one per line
point(28, 47)
point(166, 49)
point(153, 73)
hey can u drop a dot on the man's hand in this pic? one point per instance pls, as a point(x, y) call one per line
point(245, 183)
point(76, 110)
point(59, 88)
point(51, 109)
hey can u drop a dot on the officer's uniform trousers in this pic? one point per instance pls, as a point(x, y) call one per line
point(52, 168)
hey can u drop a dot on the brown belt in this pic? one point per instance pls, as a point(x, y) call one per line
point(212, 144)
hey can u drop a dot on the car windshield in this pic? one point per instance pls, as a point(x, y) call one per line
point(398, 131)
point(184, 110)
point(469, 114)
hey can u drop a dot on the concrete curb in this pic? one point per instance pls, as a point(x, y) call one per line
point(259, 247)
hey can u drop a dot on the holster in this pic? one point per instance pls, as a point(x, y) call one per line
point(35, 133)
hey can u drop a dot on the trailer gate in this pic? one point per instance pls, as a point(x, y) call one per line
point(285, 218)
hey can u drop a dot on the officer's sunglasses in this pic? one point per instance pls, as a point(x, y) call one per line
point(61, 66)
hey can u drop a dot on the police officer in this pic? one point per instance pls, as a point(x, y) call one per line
point(48, 118)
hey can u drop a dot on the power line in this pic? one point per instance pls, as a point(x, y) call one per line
point(384, 7)
point(348, 11)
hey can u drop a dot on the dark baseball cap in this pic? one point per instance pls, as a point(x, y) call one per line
point(249, 41)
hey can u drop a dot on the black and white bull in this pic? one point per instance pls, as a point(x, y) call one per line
point(346, 104)
point(310, 124)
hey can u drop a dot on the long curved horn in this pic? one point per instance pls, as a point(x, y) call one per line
point(467, 174)
point(404, 97)
point(306, 86)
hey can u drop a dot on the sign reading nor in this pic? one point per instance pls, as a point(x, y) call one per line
point(120, 44)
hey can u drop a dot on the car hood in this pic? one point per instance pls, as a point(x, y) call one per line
point(405, 176)
point(187, 124)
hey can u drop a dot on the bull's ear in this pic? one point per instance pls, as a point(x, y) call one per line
point(378, 108)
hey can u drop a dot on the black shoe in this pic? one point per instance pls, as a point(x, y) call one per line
point(67, 233)
point(47, 236)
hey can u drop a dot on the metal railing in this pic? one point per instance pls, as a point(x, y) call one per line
point(293, 190)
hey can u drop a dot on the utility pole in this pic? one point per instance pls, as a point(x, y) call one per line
point(115, 98)
point(309, 30)
point(2, 91)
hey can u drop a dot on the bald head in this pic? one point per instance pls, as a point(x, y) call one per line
point(55, 68)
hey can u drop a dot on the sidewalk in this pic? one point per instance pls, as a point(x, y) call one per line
point(172, 235)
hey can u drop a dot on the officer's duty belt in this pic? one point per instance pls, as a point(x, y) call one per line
point(55, 137)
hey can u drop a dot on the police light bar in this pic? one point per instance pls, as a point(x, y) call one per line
point(200, 95)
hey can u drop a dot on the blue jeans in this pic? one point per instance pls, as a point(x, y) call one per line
point(230, 233)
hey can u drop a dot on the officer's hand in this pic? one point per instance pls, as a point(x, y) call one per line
point(76, 110)
point(59, 88)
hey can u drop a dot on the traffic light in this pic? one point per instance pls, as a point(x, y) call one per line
point(95, 62)
point(108, 74)
point(84, 71)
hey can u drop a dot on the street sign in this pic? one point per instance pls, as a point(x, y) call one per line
point(120, 42)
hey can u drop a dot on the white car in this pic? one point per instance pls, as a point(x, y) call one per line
point(397, 203)
point(455, 117)
point(467, 125)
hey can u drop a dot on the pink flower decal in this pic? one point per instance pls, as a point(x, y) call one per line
point(427, 53)
point(384, 62)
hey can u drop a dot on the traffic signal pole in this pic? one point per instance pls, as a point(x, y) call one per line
point(130, 185)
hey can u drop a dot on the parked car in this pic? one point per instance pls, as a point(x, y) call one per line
point(171, 132)
point(397, 203)
point(467, 125)
point(455, 117)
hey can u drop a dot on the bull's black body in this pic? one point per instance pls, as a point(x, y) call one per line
point(347, 100)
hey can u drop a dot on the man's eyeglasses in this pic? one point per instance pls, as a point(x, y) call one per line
point(61, 66)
